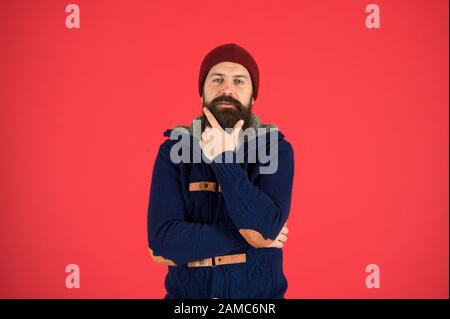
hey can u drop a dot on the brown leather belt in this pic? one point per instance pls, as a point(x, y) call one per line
point(204, 186)
point(219, 260)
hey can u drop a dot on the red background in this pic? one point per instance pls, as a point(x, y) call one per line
point(83, 112)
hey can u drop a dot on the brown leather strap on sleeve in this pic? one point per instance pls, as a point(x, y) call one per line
point(201, 263)
point(255, 238)
point(204, 186)
point(161, 260)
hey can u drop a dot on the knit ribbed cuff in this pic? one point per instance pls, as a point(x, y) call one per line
point(226, 168)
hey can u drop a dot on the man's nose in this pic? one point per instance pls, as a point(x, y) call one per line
point(227, 89)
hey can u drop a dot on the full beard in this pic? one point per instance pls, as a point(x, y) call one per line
point(228, 117)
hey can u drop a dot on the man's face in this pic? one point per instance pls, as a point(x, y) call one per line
point(227, 93)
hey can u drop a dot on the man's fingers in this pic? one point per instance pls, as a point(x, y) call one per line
point(278, 244)
point(206, 135)
point(275, 244)
point(285, 230)
point(238, 125)
point(282, 238)
point(211, 119)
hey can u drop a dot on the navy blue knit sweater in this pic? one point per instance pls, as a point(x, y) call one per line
point(246, 214)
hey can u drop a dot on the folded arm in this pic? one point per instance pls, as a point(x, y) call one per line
point(258, 210)
point(172, 240)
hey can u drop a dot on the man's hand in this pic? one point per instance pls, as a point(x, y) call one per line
point(280, 240)
point(215, 140)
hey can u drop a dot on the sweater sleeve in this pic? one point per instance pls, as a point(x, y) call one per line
point(258, 210)
point(172, 240)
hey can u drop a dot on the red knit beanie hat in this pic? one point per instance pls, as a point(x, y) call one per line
point(229, 53)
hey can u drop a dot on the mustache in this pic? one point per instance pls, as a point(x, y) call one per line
point(226, 99)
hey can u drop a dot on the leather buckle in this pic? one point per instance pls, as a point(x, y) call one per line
point(204, 186)
point(219, 260)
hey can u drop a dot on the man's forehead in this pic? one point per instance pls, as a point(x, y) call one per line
point(229, 68)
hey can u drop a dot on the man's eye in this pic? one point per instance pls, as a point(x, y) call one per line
point(216, 80)
point(239, 82)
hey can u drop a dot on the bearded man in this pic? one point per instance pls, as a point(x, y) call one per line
point(219, 223)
